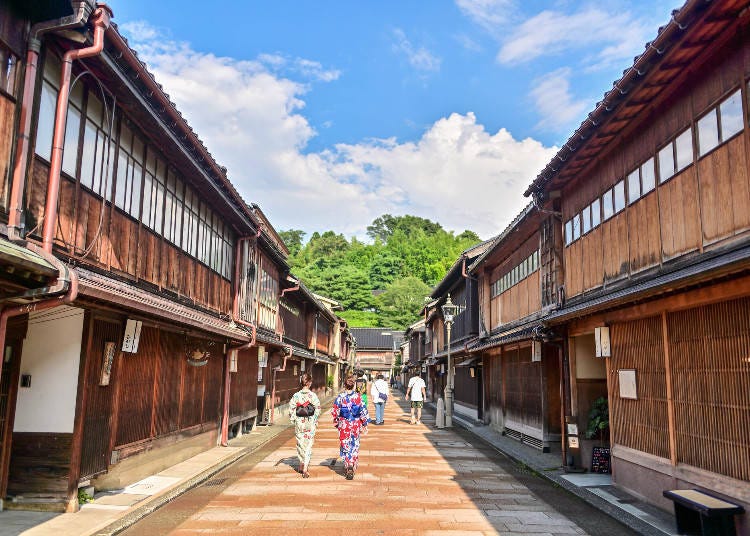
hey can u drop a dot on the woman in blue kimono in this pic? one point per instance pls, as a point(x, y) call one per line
point(350, 417)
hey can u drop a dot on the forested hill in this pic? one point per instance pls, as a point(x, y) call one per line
point(383, 283)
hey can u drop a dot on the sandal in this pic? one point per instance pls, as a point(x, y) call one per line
point(350, 474)
point(305, 475)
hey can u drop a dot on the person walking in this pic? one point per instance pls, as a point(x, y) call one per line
point(417, 393)
point(304, 410)
point(379, 392)
point(350, 417)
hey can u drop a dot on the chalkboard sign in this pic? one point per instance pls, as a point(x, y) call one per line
point(600, 460)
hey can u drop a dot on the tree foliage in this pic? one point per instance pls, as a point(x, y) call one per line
point(408, 256)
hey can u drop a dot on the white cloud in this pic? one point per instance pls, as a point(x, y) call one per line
point(468, 43)
point(492, 15)
point(610, 37)
point(251, 120)
point(418, 57)
point(554, 102)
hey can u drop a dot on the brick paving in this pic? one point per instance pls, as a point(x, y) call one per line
point(412, 479)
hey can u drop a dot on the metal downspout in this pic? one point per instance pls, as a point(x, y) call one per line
point(100, 19)
point(81, 14)
point(282, 368)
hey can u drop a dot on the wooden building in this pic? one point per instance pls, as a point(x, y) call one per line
point(467, 369)
point(139, 291)
point(653, 191)
point(375, 349)
point(517, 278)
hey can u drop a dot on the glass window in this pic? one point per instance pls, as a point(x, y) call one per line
point(648, 176)
point(666, 162)
point(46, 121)
point(576, 227)
point(70, 147)
point(619, 196)
point(731, 116)
point(568, 231)
point(586, 219)
point(684, 150)
point(608, 204)
point(8, 71)
point(634, 186)
point(596, 213)
point(708, 132)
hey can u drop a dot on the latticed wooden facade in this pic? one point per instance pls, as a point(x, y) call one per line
point(653, 192)
point(152, 305)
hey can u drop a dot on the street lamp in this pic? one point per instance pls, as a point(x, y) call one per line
point(449, 312)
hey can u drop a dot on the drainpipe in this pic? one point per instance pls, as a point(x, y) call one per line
point(100, 20)
point(81, 12)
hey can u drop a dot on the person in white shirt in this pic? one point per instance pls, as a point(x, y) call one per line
point(379, 392)
point(416, 391)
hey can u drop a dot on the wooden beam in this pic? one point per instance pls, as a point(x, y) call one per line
point(670, 398)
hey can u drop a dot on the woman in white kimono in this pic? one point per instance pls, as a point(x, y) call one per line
point(304, 410)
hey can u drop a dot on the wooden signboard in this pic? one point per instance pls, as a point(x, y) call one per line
point(600, 460)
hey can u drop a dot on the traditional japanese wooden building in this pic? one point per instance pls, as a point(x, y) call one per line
point(653, 195)
point(375, 348)
point(517, 278)
point(139, 291)
point(462, 287)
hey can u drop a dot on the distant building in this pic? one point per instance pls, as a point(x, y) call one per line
point(376, 348)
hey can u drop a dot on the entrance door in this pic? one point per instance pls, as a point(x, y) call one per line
point(98, 398)
point(8, 391)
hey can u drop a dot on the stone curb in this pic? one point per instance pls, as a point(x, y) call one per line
point(139, 513)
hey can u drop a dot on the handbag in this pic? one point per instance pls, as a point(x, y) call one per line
point(381, 396)
point(305, 410)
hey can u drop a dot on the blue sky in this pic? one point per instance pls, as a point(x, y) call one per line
point(330, 113)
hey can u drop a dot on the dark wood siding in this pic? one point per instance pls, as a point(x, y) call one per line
point(114, 241)
point(522, 387)
point(41, 463)
point(244, 385)
point(99, 400)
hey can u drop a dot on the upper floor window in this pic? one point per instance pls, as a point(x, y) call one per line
point(676, 155)
point(641, 180)
point(8, 71)
point(144, 186)
point(516, 274)
point(720, 123)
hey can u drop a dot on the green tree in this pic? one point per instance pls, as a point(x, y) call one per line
point(401, 302)
point(360, 319)
point(293, 239)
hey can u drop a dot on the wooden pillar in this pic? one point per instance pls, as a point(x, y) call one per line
point(670, 399)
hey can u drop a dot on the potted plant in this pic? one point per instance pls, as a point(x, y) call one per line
point(598, 420)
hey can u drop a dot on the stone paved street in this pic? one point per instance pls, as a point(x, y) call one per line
point(413, 479)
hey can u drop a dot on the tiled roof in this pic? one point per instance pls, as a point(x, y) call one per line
point(128, 296)
point(677, 46)
point(377, 338)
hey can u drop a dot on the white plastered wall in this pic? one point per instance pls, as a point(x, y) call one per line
point(51, 355)
point(588, 366)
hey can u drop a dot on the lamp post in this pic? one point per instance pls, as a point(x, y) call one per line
point(449, 312)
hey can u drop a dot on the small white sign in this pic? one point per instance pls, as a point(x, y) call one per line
point(536, 351)
point(627, 381)
point(601, 339)
point(233, 360)
point(132, 336)
point(572, 429)
point(573, 442)
point(261, 390)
